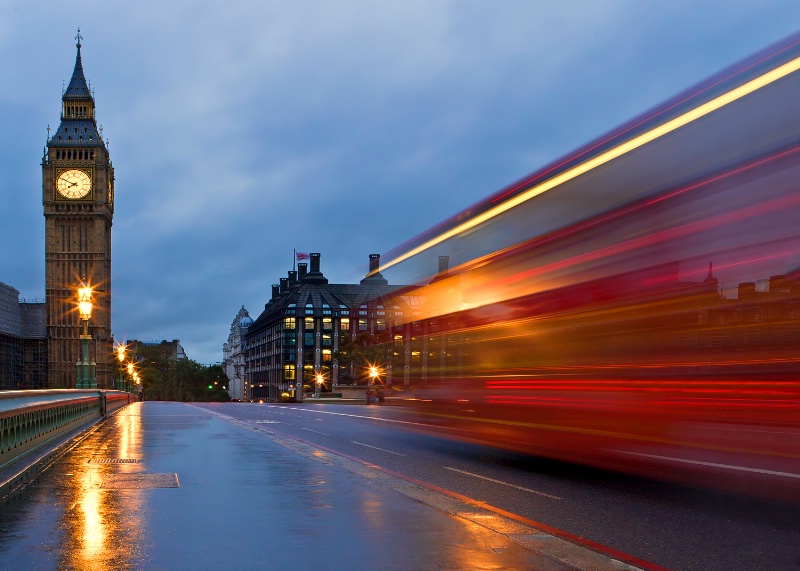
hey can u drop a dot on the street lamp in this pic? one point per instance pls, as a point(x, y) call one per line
point(375, 379)
point(121, 357)
point(130, 376)
point(320, 383)
point(86, 369)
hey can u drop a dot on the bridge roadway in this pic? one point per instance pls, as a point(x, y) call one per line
point(175, 486)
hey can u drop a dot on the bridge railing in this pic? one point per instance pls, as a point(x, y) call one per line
point(30, 420)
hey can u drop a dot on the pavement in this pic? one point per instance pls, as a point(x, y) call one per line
point(171, 486)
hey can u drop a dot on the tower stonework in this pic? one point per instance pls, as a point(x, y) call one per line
point(78, 199)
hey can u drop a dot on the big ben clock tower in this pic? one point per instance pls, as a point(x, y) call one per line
point(78, 198)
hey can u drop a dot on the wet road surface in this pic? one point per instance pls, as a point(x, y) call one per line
point(671, 525)
point(172, 486)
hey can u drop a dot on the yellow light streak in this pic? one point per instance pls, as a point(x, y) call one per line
point(638, 141)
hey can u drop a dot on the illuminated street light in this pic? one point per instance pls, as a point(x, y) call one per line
point(87, 378)
point(130, 376)
point(121, 356)
point(320, 382)
point(375, 379)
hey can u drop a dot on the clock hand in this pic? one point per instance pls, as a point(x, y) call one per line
point(73, 183)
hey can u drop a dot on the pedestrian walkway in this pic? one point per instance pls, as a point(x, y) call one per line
point(171, 486)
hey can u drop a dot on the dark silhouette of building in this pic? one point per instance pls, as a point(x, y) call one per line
point(23, 342)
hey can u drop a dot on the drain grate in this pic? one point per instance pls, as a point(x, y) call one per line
point(140, 481)
point(113, 461)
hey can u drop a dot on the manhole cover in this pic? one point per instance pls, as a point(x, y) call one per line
point(113, 461)
point(140, 481)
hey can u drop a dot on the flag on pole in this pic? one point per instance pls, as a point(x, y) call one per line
point(301, 256)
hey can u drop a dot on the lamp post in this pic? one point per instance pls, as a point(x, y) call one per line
point(86, 370)
point(320, 383)
point(374, 377)
point(121, 356)
point(130, 377)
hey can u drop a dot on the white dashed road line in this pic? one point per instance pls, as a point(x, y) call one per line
point(316, 431)
point(376, 448)
point(503, 483)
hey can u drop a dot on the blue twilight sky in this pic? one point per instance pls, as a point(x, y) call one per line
point(240, 130)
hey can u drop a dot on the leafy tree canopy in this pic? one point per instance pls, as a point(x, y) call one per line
point(185, 380)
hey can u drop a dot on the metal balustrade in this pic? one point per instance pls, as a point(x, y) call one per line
point(31, 419)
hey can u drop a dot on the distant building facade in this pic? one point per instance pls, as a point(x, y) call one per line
point(233, 357)
point(300, 330)
point(687, 326)
point(23, 341)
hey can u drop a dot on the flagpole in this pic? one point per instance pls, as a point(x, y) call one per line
point(294, 258)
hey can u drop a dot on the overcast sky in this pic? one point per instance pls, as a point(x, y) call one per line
point(241, 130)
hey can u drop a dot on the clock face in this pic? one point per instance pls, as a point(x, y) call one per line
point(74, 183)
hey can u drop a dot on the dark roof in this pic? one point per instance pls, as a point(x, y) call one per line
point(77, 89)
point(318, 293)
point(76, 133)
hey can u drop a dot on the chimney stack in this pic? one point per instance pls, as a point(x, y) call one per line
point(747, 290)
point(302, 270)
point(374, 276)
point(315, 263)
point(292, 278)
point(314, 275)
point(374, 263)
point(276, 290)
point(778, 284)
point(284, 285)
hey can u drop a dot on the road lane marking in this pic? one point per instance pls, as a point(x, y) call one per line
point(317, 431)
point(579, 552)
point(365, 417)
point(713, 464)
point(503, 483)
point(376, 448)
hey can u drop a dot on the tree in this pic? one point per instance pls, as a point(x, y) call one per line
point(185, 380)
point(357, 354)
point(217, 381)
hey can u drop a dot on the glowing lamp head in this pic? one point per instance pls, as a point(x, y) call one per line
point(130, 369)
point(121, 352)
point(85, 309)
point(373, 372)
point(85, 301)
point(319, 378)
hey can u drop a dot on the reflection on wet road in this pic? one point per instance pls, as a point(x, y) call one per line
point(170, 486)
